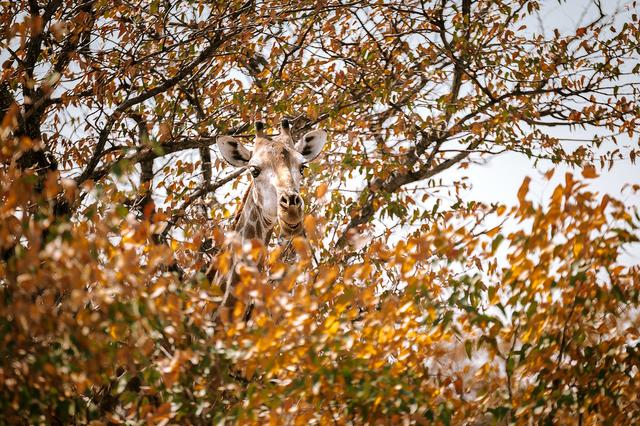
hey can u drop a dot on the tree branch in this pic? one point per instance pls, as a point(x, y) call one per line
point(148, 94)
point(180, 211)
point(396, 182)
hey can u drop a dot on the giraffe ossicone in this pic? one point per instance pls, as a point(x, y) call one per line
point(276, 165)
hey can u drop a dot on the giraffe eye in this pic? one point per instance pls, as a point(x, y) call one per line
point(255, 171)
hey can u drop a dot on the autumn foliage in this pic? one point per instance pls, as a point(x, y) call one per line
point(394, 308)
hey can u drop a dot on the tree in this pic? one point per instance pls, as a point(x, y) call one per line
point(110, 212)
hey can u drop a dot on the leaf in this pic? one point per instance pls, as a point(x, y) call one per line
point(458, 385)
point(496, 243)
point(549, 174)
point(510, 366)
point(575, 116)
point(577, 248)
point(589, 172)
point(523, 190)
point(493, 231)
point(468, 348)
point(332, 325)
point(321, 190)
point(617, 293)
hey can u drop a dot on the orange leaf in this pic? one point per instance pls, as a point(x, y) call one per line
point(458, 386)
point(321, 190)
point(589, 172)
point(524, 189)
point(549, 174)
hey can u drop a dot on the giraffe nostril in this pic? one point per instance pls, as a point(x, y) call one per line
point(292, 200)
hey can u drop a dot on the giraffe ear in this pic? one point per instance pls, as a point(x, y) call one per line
point(311, 144)
point(233, 151)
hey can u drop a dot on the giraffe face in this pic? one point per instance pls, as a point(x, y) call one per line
point(276, 166)
point(277, 173)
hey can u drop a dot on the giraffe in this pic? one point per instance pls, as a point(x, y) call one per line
point(276, 166)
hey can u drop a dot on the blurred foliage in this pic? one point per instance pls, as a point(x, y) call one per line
point(396, 309)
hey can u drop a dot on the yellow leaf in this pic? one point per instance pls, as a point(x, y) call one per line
point(116, 331)
point(332, 325)
point(377, 401)
point(223, 262)
point(577, 248)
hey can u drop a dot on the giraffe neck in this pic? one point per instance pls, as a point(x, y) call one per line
point(251, 222)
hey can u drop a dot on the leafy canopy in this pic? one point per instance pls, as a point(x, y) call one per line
point(112, 204)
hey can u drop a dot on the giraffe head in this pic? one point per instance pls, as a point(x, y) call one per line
point(276, 165)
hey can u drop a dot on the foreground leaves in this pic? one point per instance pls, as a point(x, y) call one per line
point(92, 327)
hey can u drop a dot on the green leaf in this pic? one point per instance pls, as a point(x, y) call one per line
point(617, 293)
point(468, 348)
point(496, 242)
point(122, 211)
point(511, 363)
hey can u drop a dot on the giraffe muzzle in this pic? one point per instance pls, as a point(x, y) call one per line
point(290, 209)
point(290, 200)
